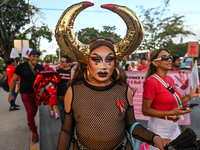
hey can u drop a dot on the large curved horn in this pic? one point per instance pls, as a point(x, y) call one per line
point(65, 36)
point(134, 34)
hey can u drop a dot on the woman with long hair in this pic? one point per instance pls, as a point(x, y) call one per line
point(159, 103)
point(99, 104)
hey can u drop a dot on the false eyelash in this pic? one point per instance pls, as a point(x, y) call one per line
point(96, 59)
point(110, 59)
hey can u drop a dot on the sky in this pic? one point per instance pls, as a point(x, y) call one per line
point(97, 17)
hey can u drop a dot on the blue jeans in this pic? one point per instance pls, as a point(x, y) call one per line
point(60, 104)
point(15, 96)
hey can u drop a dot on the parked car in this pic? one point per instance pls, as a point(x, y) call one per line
point(187, 63)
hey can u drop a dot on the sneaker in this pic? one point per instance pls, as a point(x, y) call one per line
point(57, 116)
point(16, 105)
point(13, 109)
point(35, 138)
point(51, 113)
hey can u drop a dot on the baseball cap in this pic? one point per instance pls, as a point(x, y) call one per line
point(34, 52)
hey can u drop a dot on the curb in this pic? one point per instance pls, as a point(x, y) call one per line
point(36, 146)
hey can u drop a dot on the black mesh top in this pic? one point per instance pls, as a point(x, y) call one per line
point(100, 125)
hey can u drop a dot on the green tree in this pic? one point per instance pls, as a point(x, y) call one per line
point(177, 49)
point(159, 30)
point(14, 15)
point(87, 34)
point(110, 33)
point(34, 35)
point(62, 53)
point(50, 58)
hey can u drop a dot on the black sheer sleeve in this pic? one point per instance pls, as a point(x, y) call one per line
point(139, 131)
point(66, 133)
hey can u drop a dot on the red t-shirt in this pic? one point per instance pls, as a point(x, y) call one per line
point(10, 72)
point(139, 67)
point(53, 93)
point(143, 67)
point(162, 98)
point(178, 69)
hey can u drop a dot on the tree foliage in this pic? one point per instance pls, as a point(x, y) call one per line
point(62, 53)
point(48, 58)
point(85, 35)
point(34, 35)
point(159, 30)
point(110, 33)
point(15, 16)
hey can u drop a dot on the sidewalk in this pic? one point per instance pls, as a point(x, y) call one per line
point(14, 132)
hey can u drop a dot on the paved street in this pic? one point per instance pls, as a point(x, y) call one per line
point(15, 135)
point(14, 132)
point(49, 129)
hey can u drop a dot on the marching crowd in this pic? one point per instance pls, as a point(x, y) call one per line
point(161, 113)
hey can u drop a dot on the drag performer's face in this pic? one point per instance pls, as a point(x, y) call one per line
point(165, 61)
point(101, 64)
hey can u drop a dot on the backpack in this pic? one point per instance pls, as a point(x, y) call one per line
point(4, 82)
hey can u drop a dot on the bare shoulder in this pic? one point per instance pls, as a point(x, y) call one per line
point(130, 96)
point(68, 99)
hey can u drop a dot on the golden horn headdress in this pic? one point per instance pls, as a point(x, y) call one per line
point(78, 51)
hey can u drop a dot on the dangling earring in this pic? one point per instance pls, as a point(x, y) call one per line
point(87, 74)
point(118, 75)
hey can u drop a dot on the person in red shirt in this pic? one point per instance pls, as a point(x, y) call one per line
point(158, 102)
point(52, 89)
point(10, 71)
point(138, 65)
point(144, 66)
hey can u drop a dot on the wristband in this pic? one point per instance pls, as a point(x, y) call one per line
point(10, 93)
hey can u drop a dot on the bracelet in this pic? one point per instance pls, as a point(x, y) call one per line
point(10, 93)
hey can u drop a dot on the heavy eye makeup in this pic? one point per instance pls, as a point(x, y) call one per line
point(96, 59)
point(109, 59)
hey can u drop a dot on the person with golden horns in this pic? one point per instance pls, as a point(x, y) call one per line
point(98, 102)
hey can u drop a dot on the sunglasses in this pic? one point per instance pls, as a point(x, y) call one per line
point(164, 58)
